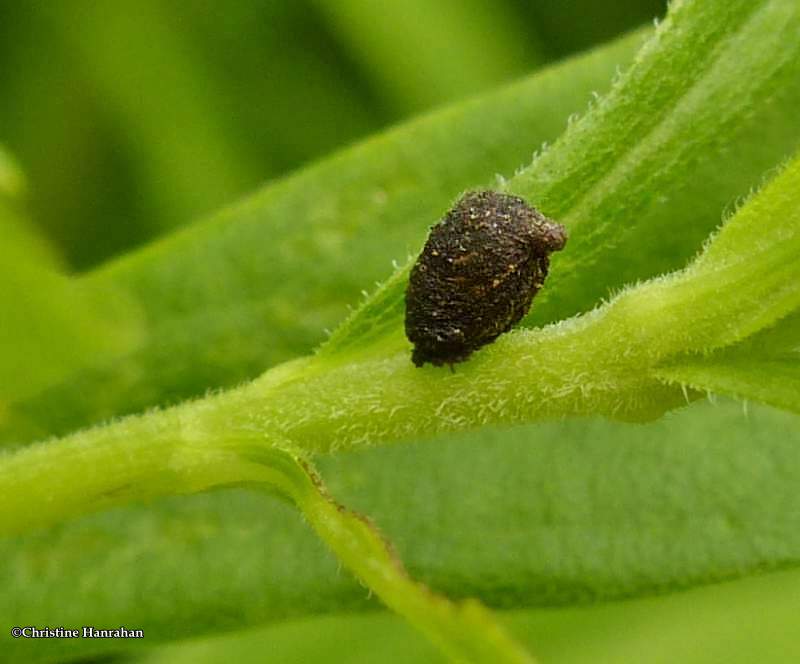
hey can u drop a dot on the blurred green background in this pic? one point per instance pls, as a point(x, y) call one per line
point(131, 118)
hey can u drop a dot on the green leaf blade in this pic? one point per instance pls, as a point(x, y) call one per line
point(258, 283)
point(641, 180)
point(555, 514)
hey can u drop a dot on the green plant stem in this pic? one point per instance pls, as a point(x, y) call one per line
point(259, 282)
point(605, 362)
point(170, 457)
point(465, 631)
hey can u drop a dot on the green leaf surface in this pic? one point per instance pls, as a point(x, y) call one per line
point(640, 181)
point(767, 381)
point(764, 368)
point(752, 620)
point(541, 515)
point(464, 631)
point(50, 326)
point(258, 284)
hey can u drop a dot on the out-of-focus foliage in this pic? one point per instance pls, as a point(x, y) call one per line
point(753, 620)
point(136, 116)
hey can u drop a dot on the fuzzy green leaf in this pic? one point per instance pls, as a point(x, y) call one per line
point(554, 514)
point(51, 326)
point(258, 284)
point(764, 368)
point(752, 620)
point(641, 180)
